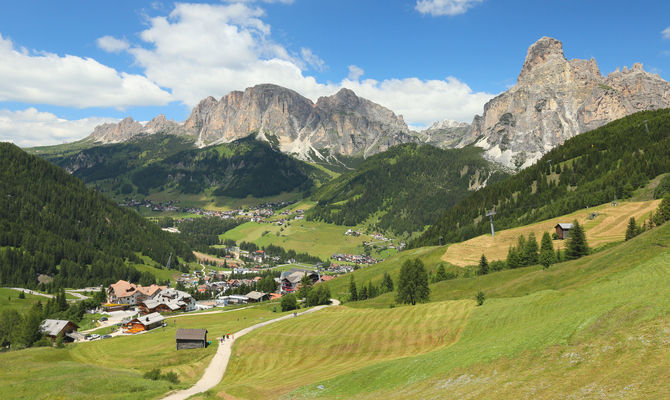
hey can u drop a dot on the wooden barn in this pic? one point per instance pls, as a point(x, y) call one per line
point(191, 338)
point(563, 230)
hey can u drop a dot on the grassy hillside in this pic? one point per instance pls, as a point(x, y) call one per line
point(316, 238)
point(404, 188)
point(113, 368)
point(596, 326)
point(52, 224)
point(590, 169)
point(609, 226)
point(167, 163)
point(336, 341)
point(9, 300)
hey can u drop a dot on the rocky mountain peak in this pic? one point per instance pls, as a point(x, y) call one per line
point(545, 50)
point(556, 99)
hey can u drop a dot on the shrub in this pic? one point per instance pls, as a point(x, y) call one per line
point(480, 298)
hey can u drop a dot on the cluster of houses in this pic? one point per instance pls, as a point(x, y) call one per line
point(150, 299)
point(355, 258)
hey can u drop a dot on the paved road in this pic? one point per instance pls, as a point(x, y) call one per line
point(217, 367)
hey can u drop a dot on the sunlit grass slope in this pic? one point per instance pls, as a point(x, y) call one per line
point(609, 310)
point(272, 361)
point(113, 368)
point(609, 226)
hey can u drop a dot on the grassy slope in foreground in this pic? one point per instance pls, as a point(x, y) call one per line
point(600, 301)
point(609, 226)
point(113, 368)
point(334, 341)
point(601, 298)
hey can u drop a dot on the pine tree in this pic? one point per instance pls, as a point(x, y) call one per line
point(513, 258)
point(387, 283)
point(413, 283)
point(483, 265)
point(441, 274)
point(353, 293)
point(577, 245)
point(530, 250)
point(632, 229)
point(547, 255)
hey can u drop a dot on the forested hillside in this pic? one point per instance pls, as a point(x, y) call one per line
point(592, 168)
point(52, 224)
point(168, 162)
point(405, 188)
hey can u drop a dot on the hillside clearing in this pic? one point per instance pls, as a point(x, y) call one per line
point(609, 226)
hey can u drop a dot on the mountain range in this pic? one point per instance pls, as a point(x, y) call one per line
point(553, 100)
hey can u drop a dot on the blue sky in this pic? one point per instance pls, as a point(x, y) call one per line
point(70, 65)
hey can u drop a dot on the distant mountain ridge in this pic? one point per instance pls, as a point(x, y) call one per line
point(340, 124)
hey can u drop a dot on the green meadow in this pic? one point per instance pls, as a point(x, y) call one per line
point(113, 368)
point(593, 327)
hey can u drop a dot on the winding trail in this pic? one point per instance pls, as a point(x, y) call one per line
point(217, 367)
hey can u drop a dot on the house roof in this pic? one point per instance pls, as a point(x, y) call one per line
point(256, 295)
point(123, 288)
point(191, 334)
point(150, 319)
point(150, 290)
point(53, 327)
point(274, 296)
point(564, 226)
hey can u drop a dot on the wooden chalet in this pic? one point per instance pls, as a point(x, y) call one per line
point(191, 338)
point(144, 323)
point(563, 230)
point(53, 328)
point(255, 297)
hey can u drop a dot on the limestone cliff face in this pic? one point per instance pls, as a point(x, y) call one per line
point(555, 99)
point(129, 128)
point(341, 124)
point(443, 134)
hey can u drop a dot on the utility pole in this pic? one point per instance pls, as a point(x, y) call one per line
point(490, 214)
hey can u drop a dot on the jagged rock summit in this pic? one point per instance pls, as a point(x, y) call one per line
point(339, 124)
point(555, 99)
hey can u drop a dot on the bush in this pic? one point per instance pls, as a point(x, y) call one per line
point(154, 374)
point(289, 302)
point(480, 298)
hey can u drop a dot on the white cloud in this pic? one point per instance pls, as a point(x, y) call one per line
point(111, 44)
point(201, 50)
point(666, 33)
point(355, 72)
point(46, 78)
point(445, 7)
point(30, 127)
point(312, 59)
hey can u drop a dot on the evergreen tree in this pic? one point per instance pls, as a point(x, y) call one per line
point(530, 250)
point(547, 255)
point(363, 293)
point(61, 300)
point(372, 290)
point(31, 332)
point(413, 283)
point(577, 245)
point(441, 274)
point(387, 283)
point(483, 265)
point(664, 209)
point(632, 229)
point(513, 260)
point(353, 293)
point(305, 286)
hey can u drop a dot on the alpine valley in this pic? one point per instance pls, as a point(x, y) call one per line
point(522, 255)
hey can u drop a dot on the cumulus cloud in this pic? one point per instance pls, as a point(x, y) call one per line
point(31, 127)
point(202, 49)
point(438, 8)
point(46, 78)
point(355, 72)
point(666, 33)
point(111, 44)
